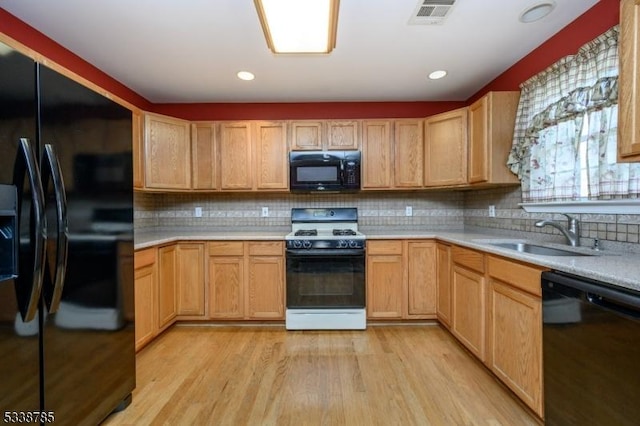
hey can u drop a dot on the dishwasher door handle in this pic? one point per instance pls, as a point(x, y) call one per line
point(613, 305)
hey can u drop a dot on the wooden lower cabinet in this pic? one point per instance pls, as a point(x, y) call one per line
point(514, 336)
point(167, 285)
point(468, 288)
point(421, 279)
point(443, 284)
point(190, 274)
point(246, 280)
point(401, 279)
point(145, 287)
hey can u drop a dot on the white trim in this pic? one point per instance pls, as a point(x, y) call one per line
point(598, 207)
point(326, 319)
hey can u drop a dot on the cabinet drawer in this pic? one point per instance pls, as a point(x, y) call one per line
point(225, 248)
point(145, 258)
point(519, 275)
point(271, 248)
point(466, 257)
point(384, 247)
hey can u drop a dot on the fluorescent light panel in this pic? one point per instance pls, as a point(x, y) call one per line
point(299, 26)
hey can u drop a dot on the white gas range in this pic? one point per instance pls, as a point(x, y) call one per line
point(325, 270)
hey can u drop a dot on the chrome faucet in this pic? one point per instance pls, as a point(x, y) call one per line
point(571, 231)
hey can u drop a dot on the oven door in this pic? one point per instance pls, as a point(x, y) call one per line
point(325, 279)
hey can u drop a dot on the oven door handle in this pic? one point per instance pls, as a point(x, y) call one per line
point(325, 252)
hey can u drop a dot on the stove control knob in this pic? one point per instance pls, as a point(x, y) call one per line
point(306, 244)
point(353, 244)
point(297, 243)
point(343, 244)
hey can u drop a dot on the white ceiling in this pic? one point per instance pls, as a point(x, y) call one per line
point(189, 51)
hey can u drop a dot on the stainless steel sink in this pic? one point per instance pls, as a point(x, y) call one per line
point(540, 250)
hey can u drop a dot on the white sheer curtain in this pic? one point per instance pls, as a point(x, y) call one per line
point(566, 129)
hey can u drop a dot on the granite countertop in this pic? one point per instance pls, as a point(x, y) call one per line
point(618, 268)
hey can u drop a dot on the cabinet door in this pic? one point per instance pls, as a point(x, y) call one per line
point(469, 309)
point(145, 315)
point(167, 153)
point(167, 285)
point(515, 336)
point(138, 149)
point(272, 171)
point(629, 82)
point(385, 275)
point(421, 279)
point(377, 155)
point(306, 135)
point(236, 170)
point(444, 284)
point(409, 148)
point(343, 135)
point(226, 282)
point(445, 141)
point(266, 287)
point(478, 141)
point(204, 156)
point(190, 263)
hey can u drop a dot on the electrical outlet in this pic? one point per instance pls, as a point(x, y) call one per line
point(492, 211)
point(408, 211)
point(197, 212)
point(265, 212)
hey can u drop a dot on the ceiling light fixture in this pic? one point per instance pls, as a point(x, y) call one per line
point(436, 75)
point(245, 75)
point(294, 26)
point(536, 12)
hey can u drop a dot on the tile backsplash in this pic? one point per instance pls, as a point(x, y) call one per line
point(432, 210)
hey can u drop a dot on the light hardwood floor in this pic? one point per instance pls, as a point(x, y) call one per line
point(264, 375)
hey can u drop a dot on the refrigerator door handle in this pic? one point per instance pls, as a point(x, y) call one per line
point(51, 170)
point(28, 284)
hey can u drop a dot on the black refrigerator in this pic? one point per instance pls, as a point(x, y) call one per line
point(66, 248)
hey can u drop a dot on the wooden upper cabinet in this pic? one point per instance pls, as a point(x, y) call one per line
point(138, 149)
point(236, 169)
point(629, 82)
point(491, 123)
point(409, 148)
point(377, 154)
point(167, 152)
point(270, 154)
point(445, 149)
point(306, 135)
point(343, 135)
point(204, 156)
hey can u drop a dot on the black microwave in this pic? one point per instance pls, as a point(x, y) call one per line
point(324, 171)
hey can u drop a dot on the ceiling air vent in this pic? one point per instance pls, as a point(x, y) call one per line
point(431, 12)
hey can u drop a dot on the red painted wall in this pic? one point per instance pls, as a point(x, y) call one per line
point(35, 40)
point(592, 23)
point(595, 21)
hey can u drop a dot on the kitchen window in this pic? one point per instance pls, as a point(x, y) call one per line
point(564, 148)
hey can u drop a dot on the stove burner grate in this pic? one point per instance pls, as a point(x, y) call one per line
point(306, 233)
point(344, 232)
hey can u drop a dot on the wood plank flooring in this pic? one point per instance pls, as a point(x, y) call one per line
point(264, 375)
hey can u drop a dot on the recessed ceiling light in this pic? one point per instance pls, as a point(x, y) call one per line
point(436, 75)
point(245, 75)
point(536, 12)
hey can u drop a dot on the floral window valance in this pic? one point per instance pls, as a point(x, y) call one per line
point(565, 137)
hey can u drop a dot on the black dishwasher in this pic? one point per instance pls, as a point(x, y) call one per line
point(591, 349)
